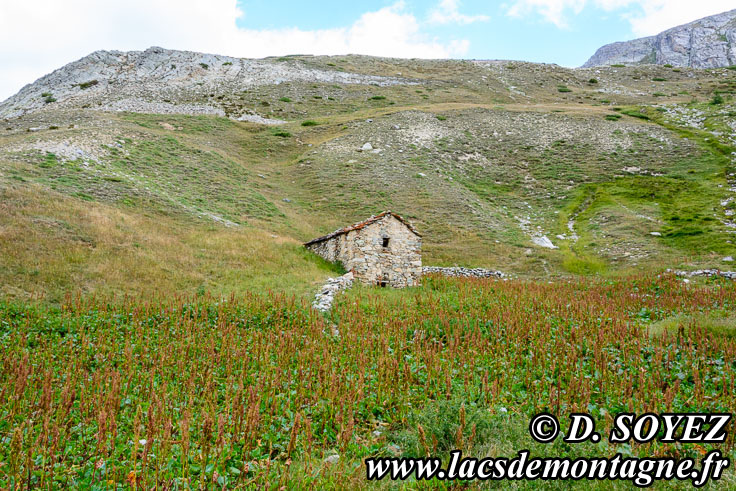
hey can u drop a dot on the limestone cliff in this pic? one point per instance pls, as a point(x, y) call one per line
point(705, 43)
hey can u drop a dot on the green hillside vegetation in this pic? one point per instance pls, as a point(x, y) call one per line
point(483, 158)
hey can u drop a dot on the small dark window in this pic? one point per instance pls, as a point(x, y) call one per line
point(383, 284)
point(385, 242)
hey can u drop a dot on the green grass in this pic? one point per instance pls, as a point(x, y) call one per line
point(635, 113)
point(54, 245)
point(721, 324)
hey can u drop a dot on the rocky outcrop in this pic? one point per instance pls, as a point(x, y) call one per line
point(164, 81)
point(706, 43)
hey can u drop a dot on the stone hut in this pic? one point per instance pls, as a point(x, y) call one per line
point(384, 250)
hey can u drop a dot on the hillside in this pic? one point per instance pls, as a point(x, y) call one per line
point(709, 42)
point(164, 171)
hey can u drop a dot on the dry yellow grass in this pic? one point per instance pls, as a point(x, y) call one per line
point(51, 244)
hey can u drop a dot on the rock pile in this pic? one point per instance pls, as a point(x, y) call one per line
point(731, 275)
point(463, 272)
point(324, 298)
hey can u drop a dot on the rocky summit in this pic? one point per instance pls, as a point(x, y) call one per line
point(705, 43)
point(163, 81)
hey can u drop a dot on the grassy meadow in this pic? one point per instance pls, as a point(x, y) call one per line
point(258, 390)
point(155, 322)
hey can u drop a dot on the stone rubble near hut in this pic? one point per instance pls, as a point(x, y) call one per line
point(731, 275)
point(326, 295)
point(463, 272)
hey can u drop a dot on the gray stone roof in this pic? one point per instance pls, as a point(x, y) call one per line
point(360, 225)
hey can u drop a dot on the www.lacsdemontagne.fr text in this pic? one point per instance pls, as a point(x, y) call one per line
point(641, 472)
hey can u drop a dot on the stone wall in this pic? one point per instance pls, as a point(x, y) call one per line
point(731, 275)
point(361, 251)
point(324, 298)
point(463, 272)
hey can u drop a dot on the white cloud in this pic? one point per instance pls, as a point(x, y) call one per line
point(660, 15)
point(647, 17)
point(554, 11)
point(447, 12)
point(38, 36)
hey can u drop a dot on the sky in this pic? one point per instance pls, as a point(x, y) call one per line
point(39, 36)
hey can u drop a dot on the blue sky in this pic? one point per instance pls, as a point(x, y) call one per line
point(529, 37)
point(39, 36)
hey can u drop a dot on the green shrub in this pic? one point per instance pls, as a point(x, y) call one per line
point(659, 94)
point(563, 88)
point(378, 97)
point(717, 99)
point(309, 122)
point(593, 81)
point(227, 63)
point(87, 85)
point(282, 134)
point(668, 65)
point(618, 65)
point(659, 79)
point(46, 94)
point(285, 99)
point(205, 66)
point(613, 117)
point(441, 117)
point(49, 99)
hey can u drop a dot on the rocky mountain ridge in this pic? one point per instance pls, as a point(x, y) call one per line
point(164, 81)
point(709, 42)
